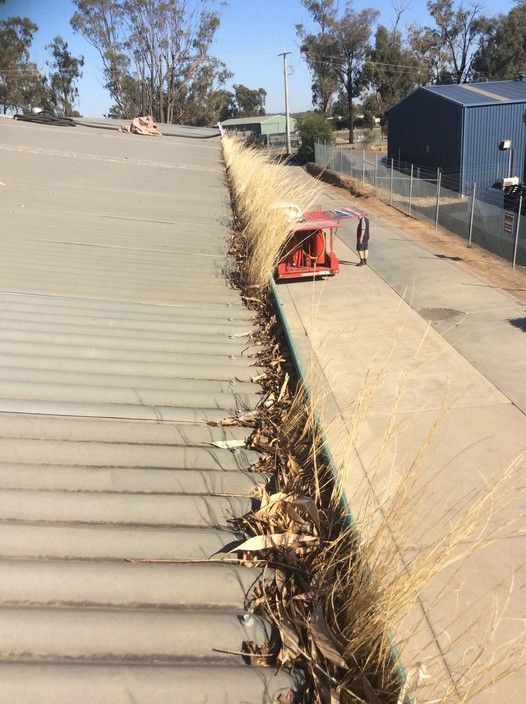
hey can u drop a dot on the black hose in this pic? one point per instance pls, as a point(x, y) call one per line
point(46, 117)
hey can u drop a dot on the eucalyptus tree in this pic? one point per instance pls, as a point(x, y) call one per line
point(65, 70)
point(21, 84)
point(428, 50)
point(393, 71)
point(203, 101)
point(248, 102)
point(316, 50)
point(162, 45)
point(102, 24)
point(449, 47)
point(501, 54)
point(344, 39)
point(350, 50)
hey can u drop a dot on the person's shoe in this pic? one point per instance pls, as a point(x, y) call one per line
point(361, 263)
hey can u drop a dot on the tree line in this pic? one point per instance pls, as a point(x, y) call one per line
point(156, 58)
point(22, 84)
point(352, 57)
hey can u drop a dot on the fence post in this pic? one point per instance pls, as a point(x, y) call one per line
point(517, 232)
point(341, 158)
point(411, 189)
point(391, 184)
point(376, 173)
point(473, 196)
point(363, 166)
point(438, 198)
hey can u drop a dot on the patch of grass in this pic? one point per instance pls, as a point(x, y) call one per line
point(336, 178)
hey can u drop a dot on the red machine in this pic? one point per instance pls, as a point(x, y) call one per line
point(309, 250)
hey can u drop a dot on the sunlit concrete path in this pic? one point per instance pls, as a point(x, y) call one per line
point(413, 359)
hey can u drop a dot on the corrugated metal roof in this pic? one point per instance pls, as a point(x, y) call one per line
point(251, 120)
point(119, 340)
point(492, 92)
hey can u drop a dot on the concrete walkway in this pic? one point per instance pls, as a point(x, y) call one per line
point(418, 366)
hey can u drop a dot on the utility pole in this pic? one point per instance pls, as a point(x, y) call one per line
point(287, 119)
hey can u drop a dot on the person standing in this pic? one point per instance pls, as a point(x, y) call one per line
point(362, 239)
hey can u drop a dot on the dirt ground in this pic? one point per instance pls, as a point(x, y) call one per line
point(492, 269)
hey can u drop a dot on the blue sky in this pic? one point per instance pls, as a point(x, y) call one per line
point(251, 36)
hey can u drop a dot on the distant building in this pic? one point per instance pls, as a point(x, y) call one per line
point(472, 132)
point(263, 126)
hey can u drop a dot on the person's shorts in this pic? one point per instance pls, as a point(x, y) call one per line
point(362, 246)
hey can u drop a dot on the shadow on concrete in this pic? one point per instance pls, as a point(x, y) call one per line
point(453, 259)
point(519, 323)
point(302, 280)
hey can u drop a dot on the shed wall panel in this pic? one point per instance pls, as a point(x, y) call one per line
point(274, 126)
point(426, 130)
point(485, 128)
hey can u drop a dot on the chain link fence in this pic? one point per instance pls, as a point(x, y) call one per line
point(493, 219)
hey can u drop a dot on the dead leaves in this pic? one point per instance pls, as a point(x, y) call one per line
point(324, 640)
point(248, 419)
point(263, 441)
point(274, 540)
point(295, 514)
point(258, 655)
point(290, 636)
point(286, 528)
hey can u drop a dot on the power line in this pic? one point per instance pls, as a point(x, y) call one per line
point(405, 67)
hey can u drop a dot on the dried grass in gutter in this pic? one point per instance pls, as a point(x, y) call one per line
point(296, 530)
point(257, 186)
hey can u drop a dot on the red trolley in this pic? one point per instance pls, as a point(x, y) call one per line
point(309, 250)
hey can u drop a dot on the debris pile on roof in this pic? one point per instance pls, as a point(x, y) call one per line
point(142, 125)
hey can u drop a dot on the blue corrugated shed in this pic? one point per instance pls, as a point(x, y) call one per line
point(460, 129)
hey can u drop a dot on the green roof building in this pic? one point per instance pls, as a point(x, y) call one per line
point(259, 126)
